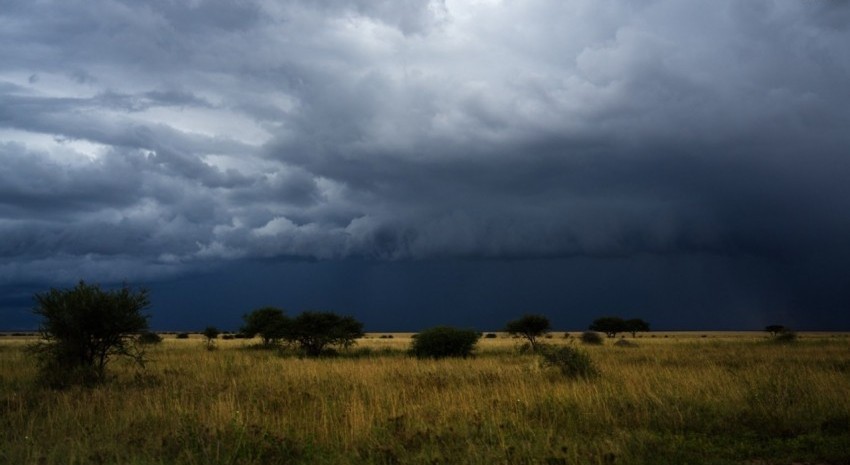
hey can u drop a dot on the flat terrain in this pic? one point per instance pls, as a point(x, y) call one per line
point(675, 398)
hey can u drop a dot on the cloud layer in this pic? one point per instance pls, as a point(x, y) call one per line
point(143, 139)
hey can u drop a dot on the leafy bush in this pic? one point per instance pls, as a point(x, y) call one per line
point(591, 337)
point(182, 336)
point(572, 362)
point(83, 328)
point(490, 336)
point(149, 337)
point(444, 341)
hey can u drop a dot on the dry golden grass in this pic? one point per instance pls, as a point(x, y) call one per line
point(725, 398)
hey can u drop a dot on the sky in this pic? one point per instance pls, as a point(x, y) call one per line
point(414, 163)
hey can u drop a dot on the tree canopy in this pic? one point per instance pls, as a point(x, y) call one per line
point(314, 331)
point(636, 325)
point(530, 327)
point(270, 323)
point(610, 325)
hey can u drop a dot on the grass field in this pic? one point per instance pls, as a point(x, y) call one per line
point(676, 398)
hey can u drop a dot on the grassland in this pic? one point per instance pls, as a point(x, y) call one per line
point(723, 398)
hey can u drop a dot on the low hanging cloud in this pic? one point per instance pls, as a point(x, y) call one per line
point(143, 139)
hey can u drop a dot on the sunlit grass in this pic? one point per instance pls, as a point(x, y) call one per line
point(684, 398)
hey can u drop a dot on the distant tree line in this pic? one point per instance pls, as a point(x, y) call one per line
point(85, 327)
point(313, 332)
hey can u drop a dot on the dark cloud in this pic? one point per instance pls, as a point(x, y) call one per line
point(162, 137)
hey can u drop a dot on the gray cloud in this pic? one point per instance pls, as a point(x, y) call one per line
point(154, 137)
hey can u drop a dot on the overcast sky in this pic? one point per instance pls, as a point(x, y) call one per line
point(690, 157)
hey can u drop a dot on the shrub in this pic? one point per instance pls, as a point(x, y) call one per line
point(572, 362)
point(182, 336)
point(490, 336)
point(591, 337)
point(625, 343)
point(149, 337)
point(83, 328)
point(444, 341)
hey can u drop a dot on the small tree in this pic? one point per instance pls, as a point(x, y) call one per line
point(444, 341)
point(530, 327)
point(269, 322)
point(84, 327)
point(634, 325)
point(610, 325)
point(210, 335)
point(314, 331)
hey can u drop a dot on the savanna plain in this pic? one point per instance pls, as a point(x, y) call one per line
point(714, 398)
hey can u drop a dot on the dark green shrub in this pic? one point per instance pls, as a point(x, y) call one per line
point(490, 336)
point(149, 338)
point(228, 337)
point(592, 338)
point(571, 362)
point(182, 336)
point(444, 341)
point(83, 328)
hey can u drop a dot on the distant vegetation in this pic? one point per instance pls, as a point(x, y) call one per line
point(312, 332)
point(444, 341)
point(611, 325)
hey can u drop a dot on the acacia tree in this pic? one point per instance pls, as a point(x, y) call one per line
point(610, 325)
point(210, 335)
point(269, 322)
point(315, 331)
point(530, 327)
point(84, 327)
point(634, 325)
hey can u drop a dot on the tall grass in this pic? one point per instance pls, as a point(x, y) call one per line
point(670, 400)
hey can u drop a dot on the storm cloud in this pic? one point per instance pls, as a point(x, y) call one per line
point(145, 140)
